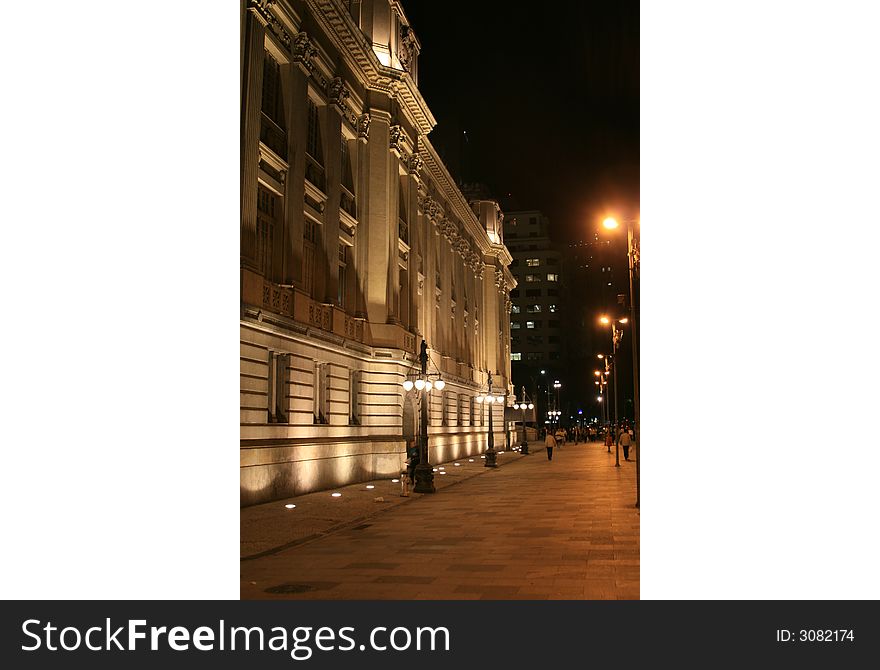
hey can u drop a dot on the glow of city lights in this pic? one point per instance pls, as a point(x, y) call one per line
point(428, 386)
point(470, 460)
point(395, 481)
point(370, 486)
point(515, 406)
point(336, 495)
point(624, 320)
point(439, 384)
point(420, 384)
point(604, 319)
point(531, 406)
point(290, 506)
point(457, 464)
point(407, 385)
point(599, 356)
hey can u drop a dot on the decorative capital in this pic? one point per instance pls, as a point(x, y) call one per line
point(337, 92)
point(363, 127)
point(416, 162)
point(304, 52)
point(397, 140)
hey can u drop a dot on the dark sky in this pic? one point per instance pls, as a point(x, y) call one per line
point(548, 98)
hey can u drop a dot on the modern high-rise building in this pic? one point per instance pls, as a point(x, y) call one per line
point(538, 308)
point(356, 245)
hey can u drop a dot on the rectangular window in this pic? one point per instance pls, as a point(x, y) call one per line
point(533, 356)
point(553, 309)
point(533, 262)
point(552, 261)
point(321, 393)
point(530, 278)
point(309, 237)
point(343, 264)
point(354, 389)
point(554, 355)
point(535, 340)
point(515, 325)
point(552, 292)
point(533, 293)
point(516, 356)
point(267, 205)
point(279, 376)
point(533, 309)
point(514, 309)
point(552, 276)
point(444, 409)
point(530, 324)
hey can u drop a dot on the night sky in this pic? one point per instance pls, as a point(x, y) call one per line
point(547, 97)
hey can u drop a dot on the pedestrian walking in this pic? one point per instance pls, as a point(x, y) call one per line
point(550, 442)
point(609, 440)
point(625, 441)
point(560, 438)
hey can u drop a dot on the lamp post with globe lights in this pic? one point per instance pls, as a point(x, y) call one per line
point(490, 399)
point(423, 384)
point(524, 405)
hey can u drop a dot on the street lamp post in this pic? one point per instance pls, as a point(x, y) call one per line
point(524, 445)
point(632, 257)
point(490, 400)
point(424, 472)
point(616, 335)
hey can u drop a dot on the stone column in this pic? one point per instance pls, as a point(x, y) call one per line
point(375, 229)
point(251, 107)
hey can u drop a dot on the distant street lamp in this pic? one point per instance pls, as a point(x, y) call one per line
point(490, 399)
point(524, 404)
point(633, 262)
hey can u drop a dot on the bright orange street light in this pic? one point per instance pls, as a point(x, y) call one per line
point(610, 223)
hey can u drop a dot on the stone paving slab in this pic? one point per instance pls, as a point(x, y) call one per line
point(531, 529)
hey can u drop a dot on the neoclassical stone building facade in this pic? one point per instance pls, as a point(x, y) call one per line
point(356, 244)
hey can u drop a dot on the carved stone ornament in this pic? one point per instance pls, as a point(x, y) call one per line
point(363, 127)
point(304, 52)
point(396, 140)
point(337, 92)
point(261, 9)
point(415, 165)
point(406, 49)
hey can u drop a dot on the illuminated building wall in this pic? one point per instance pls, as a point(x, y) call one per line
point(356, 244)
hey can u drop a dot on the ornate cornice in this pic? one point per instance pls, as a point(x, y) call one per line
point(261, 9)
point(354, 48)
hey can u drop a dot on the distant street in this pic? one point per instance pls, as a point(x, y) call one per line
point(531, 530)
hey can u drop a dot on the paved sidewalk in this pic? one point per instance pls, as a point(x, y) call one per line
point(531, 529)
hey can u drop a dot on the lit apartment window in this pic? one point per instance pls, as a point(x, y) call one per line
point(552, 276)
point(515, 325)
point(533, 262)
point(553, 308)
point(533, 309)
point(534, 356)
point(533, 278)
point(516, 357)
point(530, 324)
point(514, 309)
